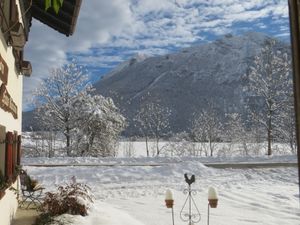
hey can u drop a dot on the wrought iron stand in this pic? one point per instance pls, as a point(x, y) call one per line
point(186, 213)
point(190, 212)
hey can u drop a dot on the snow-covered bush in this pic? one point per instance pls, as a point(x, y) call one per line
point(207, 127)
point(98, 127)
point(179, 145)
point(74, 198)
point(42, 144)
point(128, 149)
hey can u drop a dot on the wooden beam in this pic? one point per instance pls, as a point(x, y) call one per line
point(51, 20)
point(68, 5)
point(64, 21)
point(75, 16)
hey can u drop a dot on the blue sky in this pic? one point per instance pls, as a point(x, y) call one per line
point(109, 32)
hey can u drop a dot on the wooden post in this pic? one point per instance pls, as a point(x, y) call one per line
point(294, 8)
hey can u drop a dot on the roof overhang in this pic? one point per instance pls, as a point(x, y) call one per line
point(64, 21)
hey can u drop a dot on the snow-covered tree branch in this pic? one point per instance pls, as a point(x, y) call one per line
point(206, 127)
point(64, 103)
point(270, 87)
point(153, 121)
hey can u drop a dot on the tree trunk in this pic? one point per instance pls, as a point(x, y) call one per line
point(147, 147)
point(292, 146)
point(67, 135)
point(270, 136)
point(68, 146)
point(91, 142)
point(210, 148)
point(54, 142)
point(245, 148)
point(157, 147)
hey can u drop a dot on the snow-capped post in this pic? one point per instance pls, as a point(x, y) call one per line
point(170, 202)
point(169, 199)
point(187, 215)
point(212, 200)
point(212, 197)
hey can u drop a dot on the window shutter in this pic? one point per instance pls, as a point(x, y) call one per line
point(9, 156)
point(14, 155)
point(19, 153)
point(2, 149)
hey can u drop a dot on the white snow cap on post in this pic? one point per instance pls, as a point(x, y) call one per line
point(212, 193)
point(169, 195)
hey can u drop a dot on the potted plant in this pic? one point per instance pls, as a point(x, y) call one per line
point(2, 185)
point(30, 183)
point(18, 169)
point(33, 183)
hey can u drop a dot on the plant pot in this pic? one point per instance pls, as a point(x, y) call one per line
point(213, 203)
point(169, 203)
point(34, 183)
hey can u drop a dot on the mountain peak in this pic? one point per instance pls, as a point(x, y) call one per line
point(138, 57)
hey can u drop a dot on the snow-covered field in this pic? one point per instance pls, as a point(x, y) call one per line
point(134, 195)
point(33, 147)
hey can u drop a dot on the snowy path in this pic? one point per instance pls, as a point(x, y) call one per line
point(135, 195)
point(237, 162)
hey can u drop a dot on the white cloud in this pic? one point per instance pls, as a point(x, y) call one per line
point(144, 7)
point(286, 34)
point(98, 22)
point(148, 26)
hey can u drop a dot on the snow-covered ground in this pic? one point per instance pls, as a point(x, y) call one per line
point(134, 195)
point(39, 147)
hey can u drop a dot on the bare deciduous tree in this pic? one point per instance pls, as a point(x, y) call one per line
point(270, 85)
point(236, 135)
point(153, 121)
point(286, 125)
point(207, 127)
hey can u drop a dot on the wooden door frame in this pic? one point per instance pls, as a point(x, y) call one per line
point(294, 12)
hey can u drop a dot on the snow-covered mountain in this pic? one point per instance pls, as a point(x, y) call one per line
point(184, 81)
point(187, 80)
point(137, 58)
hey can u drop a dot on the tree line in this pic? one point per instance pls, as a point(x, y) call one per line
point(269, 110)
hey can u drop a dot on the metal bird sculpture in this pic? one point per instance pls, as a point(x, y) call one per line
point(189, 180)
